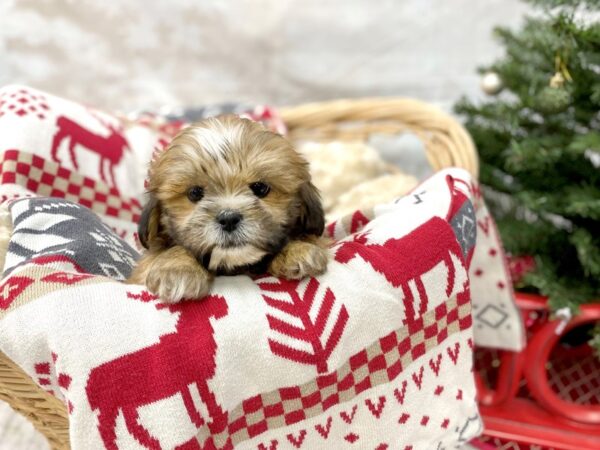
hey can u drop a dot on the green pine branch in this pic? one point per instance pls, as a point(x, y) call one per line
point(588, 251)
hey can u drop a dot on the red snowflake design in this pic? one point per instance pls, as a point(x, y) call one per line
point(316, 313)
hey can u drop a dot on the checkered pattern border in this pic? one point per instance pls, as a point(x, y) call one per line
point(47, 178)
point(378, 364)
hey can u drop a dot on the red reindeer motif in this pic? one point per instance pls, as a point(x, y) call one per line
point(109, 148)
point(179, 361)
point(408, 258)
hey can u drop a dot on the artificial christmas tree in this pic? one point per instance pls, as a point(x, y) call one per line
point(539, 143)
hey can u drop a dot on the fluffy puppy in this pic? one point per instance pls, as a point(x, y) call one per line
point(227, 197)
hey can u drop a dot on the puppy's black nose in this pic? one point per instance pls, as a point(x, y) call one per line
point(229, 220)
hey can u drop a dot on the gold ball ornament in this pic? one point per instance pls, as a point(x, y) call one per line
point(491, 83)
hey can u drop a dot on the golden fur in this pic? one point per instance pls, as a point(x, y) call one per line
point(225, 157)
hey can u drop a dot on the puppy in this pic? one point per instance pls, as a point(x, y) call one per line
point(228, 197)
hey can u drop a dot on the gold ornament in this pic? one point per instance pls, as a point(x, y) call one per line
point(558, 80)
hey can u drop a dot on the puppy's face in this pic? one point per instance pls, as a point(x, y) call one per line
point(230, 192)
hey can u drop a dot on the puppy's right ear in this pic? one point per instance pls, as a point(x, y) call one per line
point(149, 226)
point(312, 217)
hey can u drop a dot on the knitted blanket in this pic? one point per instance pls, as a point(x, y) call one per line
point(374, 354)
point(51, 146)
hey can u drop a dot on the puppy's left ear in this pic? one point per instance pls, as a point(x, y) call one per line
point(311, 219)
point(149, 227)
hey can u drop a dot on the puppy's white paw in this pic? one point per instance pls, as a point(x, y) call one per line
point(173, 274)
point(173, 285)
point(300, 259)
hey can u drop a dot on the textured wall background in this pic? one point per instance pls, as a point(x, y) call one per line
point(141, 54)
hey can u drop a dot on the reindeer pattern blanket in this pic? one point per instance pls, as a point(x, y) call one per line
point(374, 354)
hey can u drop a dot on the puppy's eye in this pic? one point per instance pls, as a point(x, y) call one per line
point(195, 193)
point(260, 189)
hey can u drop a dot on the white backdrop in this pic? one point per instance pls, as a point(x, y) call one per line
point(139, 53)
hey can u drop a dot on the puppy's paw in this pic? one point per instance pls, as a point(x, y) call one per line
point(299, 259)
point(172, 274)
point(175, 284)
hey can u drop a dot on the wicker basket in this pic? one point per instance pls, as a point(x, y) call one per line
point(446, 143)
